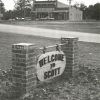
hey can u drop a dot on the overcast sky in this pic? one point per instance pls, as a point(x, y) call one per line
point(9, 4)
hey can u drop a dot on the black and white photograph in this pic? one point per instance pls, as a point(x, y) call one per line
point(49, 49)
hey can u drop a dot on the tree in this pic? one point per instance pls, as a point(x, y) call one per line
point(97, 11)
point(76, 5)
point(70, 1)
point(8, 15)
point(83, 8)
point(90, 12)
point(23, 7)
point(2, 9)
point(93, 11)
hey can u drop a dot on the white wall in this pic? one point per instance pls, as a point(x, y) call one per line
point(75, 14)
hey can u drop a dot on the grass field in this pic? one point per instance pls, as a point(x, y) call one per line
point(89, 53)
point(89, 56)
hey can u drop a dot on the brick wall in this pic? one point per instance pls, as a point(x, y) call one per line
point(71, 52)
point(23, 67)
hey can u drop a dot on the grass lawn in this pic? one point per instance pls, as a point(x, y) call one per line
point(89, 55)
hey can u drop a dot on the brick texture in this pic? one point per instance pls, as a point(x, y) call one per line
point(23, 67)
point(71, 51)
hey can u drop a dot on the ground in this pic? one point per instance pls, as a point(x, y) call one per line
point(89, 56)
point(89, 53)
point(88, 27)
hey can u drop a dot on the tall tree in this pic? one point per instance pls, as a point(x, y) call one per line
point(83, 8)
point(70, 1)
point(97, 11)
point(7, 15)
point(2, 9)
point(93, 11)
point(23, 7)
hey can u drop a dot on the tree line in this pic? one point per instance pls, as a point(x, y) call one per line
point(90, 12)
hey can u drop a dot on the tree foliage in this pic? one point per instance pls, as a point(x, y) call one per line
point(2, 9)
point(22, 10)
point(93, 12)
point(23, 7)
point(97, 11)
point(82, 7)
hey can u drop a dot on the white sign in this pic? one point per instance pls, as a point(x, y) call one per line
point(50, 65)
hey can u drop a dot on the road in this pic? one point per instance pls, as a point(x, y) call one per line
point(87, 37)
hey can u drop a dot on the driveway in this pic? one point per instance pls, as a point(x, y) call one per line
point(87, 37)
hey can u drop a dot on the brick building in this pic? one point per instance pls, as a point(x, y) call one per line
point(53, 9)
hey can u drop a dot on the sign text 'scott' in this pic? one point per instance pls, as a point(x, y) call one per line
point(50, 65)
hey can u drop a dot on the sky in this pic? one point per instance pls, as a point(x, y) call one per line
point(9, 4)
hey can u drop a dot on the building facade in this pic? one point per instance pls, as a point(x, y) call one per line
point(55, 10)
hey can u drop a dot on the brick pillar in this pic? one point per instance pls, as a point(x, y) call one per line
point(71, 51)
point(23, 67)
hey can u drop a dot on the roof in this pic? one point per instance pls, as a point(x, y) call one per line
point(61, 5)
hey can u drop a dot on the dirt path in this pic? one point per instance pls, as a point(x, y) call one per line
point(87, 37)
